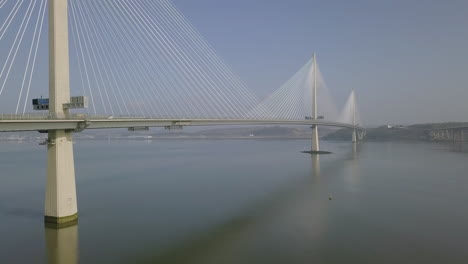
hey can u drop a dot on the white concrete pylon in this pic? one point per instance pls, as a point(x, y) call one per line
point(353, 98)
point(60, 201)
point(315, 136)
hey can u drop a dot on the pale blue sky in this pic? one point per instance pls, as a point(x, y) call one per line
point(407, 59)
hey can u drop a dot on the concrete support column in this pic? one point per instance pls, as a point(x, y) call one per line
point(354, 136)
point(315, 136)
point(59, 66)
point(360, 135)
point(60, 202)
point(315, 139)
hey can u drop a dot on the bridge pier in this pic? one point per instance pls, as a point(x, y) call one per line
point(315, 140)
point(354, 136)
point(60, 201)
point(448, 134)
point(362, 134)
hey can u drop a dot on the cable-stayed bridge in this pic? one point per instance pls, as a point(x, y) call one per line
point(131, 64)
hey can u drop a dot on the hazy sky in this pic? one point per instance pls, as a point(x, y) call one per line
point(407, 59)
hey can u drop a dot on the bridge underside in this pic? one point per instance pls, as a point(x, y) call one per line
point(81, 124)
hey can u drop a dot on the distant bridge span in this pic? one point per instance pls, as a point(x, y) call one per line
point(452, 133)
point(103, 123)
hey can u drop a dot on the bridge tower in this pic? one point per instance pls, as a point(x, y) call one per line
point(315, 137)
point(353, 98)
point(60, 200)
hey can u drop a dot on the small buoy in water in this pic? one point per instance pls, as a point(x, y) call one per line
point(330, 197)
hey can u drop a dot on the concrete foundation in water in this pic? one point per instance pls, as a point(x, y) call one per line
point(61, 222)
point(320, 152)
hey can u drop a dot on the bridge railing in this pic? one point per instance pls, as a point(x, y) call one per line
point(84, 116)
point(37, 117)
point(50, 116)
point(40, 116)
point(24, 117)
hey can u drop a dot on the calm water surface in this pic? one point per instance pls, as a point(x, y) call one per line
point(241, 201)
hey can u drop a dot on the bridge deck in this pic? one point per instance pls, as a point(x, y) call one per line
point(449, 128)
point(9, 125)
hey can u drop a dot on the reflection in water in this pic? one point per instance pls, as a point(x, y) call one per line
point(452, 146)
point(381, 196)
point(316, 166)
point(356, 149)
point(458, 146)
point(352, 168)
point(242, 239)
point(372, 213)
point(62, 245)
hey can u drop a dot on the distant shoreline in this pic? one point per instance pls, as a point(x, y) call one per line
point(388, 133)
point(161, 138)
point(401, 133)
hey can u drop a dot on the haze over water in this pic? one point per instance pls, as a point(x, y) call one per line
point(241, 201)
